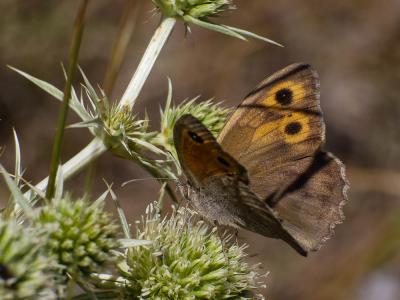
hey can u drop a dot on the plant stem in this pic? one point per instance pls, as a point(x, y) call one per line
point(70, 289)
point(146, 64)
point(73, 65)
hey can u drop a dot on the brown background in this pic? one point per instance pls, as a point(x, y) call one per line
point(354, 45)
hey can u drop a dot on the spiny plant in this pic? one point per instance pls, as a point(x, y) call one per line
point(51, 240)
point(186, 260)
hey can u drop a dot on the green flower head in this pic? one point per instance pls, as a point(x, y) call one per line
point(198, 12)
point(80, 235)
point(193, 8)
point(24, 269)
point(186, 260)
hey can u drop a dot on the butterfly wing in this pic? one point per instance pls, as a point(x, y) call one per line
point(219, 186)
point(200, 155)
point(277, 133)
point(256, 216)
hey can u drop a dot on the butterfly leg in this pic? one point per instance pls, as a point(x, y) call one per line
point(237, 236)
point(221, 238)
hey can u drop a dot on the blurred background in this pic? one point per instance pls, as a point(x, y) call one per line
point(354, 45)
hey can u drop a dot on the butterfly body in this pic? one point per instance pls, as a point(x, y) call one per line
point(267, 172)
point(226, 202)
point(216, 201)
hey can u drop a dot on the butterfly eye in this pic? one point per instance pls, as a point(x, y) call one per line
point(223, 161)
point(195, 137)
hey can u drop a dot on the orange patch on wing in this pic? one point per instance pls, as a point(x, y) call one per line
point(263, 130)
point(297, 89)
point(295, 127)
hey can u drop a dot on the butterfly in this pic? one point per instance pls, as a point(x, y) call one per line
point(267, 171)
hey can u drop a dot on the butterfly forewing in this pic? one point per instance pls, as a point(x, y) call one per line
point(281, 116)
point(199, 153)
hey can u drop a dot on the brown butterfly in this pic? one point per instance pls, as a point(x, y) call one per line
point(267, 172)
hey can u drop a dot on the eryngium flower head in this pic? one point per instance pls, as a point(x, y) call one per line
point(185, 261)
point(125, 135)
point(24, 270)
point(193, 8)
point(81, 236)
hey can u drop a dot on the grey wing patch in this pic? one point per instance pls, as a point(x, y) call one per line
point(256, 216)
point(229, 201)
point(312, 205)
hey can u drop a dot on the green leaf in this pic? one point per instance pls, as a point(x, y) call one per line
point(101, 199)
point(218, 28)
point(167, 105)
point(18, 170)
point(121, 213)
point(17, 194)
point(88, 85)
point(161, 195)
point(75, 105)
point(47, 87)
point(146, 145)
point(252, 35)
point(92, 123)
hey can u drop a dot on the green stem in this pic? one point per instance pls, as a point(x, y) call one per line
point(146, 64)
point(70, 289)
point(73, 65)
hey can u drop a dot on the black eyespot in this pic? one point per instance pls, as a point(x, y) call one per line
point(284, 96)
point(223, 161)
point(293, 128)
point(195, 137)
